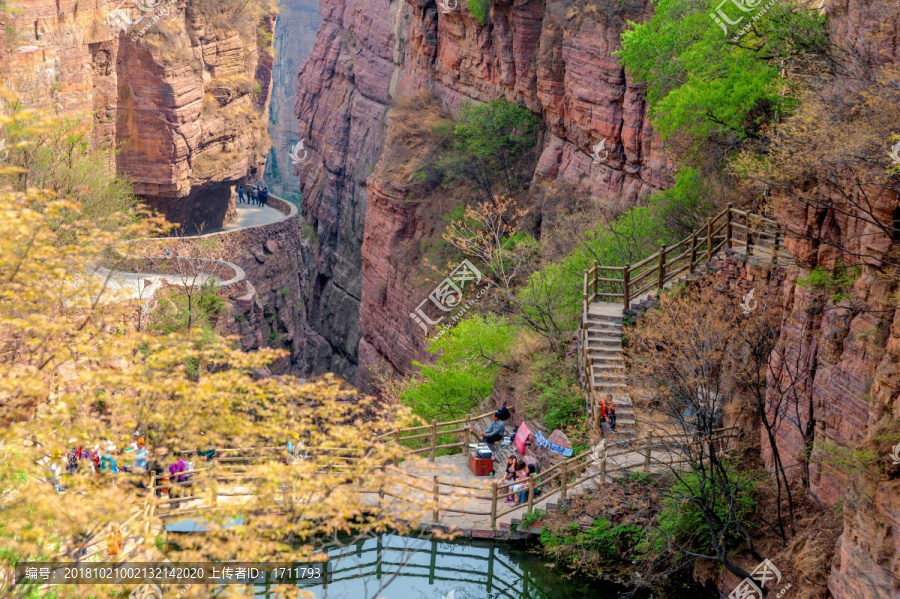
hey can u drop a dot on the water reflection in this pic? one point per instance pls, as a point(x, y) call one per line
point(396, 567)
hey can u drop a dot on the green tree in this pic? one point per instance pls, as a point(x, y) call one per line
point(703, 81)
point(59, 155)
point(485, 143)
point(463, 376)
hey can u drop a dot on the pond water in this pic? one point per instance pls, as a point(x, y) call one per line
point(395, 567)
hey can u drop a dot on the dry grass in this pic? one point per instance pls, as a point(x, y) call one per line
point(224, 18)
point(227, 89)
point(411, 138)
point(169, 43)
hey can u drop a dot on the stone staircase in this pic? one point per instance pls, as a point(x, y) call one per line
point(603, 338)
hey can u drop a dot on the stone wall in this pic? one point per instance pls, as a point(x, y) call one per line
point(268, 310)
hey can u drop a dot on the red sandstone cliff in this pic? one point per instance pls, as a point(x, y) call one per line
point(849, 347)
point(183, 102)
point(557, 60)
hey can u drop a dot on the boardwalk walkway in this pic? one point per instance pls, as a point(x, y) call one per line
point(609, 292)
point(443, 485)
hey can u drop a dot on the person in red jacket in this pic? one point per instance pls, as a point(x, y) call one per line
point(604, 415)
point(611, 412)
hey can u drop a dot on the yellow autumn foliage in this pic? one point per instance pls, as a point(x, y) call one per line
point(74, 371)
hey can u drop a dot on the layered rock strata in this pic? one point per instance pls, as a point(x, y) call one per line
point(557, 60)
point(178, 91)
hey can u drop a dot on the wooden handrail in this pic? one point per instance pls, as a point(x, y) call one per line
point(718, 233)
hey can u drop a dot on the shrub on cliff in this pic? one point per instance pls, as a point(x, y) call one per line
point(706, 82)
point(463, 376)
point(480, 9)
point(691, 503)
point(553, 293)
point(58, 155)
point(485, 144)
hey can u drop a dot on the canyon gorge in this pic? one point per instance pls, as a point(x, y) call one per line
point(216, 95)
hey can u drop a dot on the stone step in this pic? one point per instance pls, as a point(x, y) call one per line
point(604, 333)
point(606, 318)
point(602, 326)
point(594, 322)
point(607, 337)
point(612, 385)
point(603, 348)
point(608, 360)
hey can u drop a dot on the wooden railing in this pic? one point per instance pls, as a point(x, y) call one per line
point(227, 459)
point(462, 429)
point(558, 479)
point(435, 494)
point(728, 229)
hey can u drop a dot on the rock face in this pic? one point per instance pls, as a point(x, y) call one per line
point(179, 93)
point(295, 34)
point(851, 347)
point(265, 309)
point(555, 59)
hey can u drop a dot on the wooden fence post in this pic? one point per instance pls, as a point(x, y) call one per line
point(584, 298)
point(530, 492)
point(709, 239)
point(749, 237)
point(564, 479)
point(436, 514)
point(603, 468)
point(728, 225)
point(596, 277)
point(433, 439)
point(589, 373)
point(693, 251)
point(380, 488)
point(494, 492)
point(397, 439)
point(468, 430)
point(647, 454)
point(661, 275)
point(213, 487)
point(626, 281)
